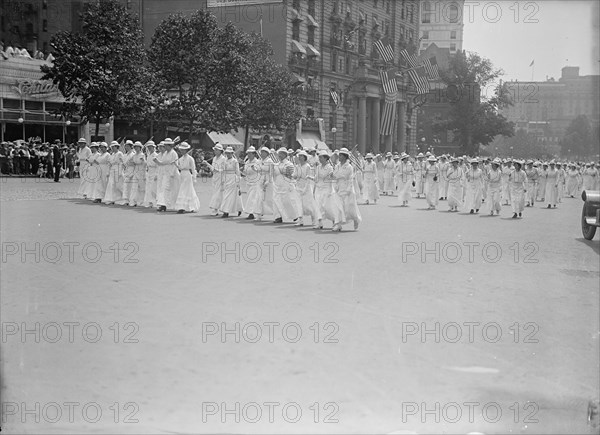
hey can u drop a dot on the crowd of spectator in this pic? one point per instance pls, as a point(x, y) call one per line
point(34, 158)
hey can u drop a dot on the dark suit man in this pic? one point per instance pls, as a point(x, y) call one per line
point(57, 162)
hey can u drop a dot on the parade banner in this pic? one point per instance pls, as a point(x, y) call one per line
point(225, 3)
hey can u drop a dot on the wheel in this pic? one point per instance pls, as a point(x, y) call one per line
point(588, 230)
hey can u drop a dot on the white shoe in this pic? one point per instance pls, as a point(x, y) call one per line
point(300, 222)
point(356, 223)
point(337, 228)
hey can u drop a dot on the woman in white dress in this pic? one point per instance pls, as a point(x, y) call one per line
point(455, 176)
point(83, 154)
point(494, 188)
point(431, 177)
point(101, 163)
point(330, 206)
point(151, 175)
point(303, 176)
point(419, 168)
point(518, 183)
point(266, 181)
point(252, 176)
point(388, 175)
point(287, 205)
point(115, 182)
point(473, 196)
point(216, 168)
point(138, 180)
point(573, 180)
point(344, 175)
point(405, 176)
point(551, 194)
point(231, 185)
point(187, 199)
point(91, 172)
point(370, 182)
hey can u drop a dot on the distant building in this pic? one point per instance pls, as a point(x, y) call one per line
point(545, 109)
point(442, 24)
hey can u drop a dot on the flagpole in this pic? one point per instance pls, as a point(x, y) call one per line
point(261, 25)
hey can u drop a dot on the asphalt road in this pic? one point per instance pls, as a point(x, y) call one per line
point(122, 320)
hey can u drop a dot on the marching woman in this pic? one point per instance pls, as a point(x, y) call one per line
point(266, 181)
point(562, 178)
point(187, 200)
point(168, 179)
point(138, 185)
point(506, 171)
point(419, 168)
point(379, 163)
point(113, 188)
point(518, 183)
point(473, 196)
point(405, 176)
point(432, 183)
point(344, 175)
point(83, 155)
point(573, 180)
point(532, 181)
point(388, 174)
point(287, 204)
point(494, 187)
point(455, 176)
point(330, 206)
point(589, 176)
point(543, 181)
point(91, 172)
point(102, 165)
point(256, 194)
point(551, 194)
point(231, 185)
point(128, 173)
point(151, 175)
point(370, 182)
point(217, 179)
point(303, 177)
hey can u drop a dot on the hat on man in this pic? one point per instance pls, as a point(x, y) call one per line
point(184, 146)
point(114, 143)
point(218, 147)
point(345, 151)
point(82, 140)
point(229, 150)
point(454, 159)
point(396, 156)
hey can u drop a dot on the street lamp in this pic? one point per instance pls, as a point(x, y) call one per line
point(22, 122)
point(333, 132)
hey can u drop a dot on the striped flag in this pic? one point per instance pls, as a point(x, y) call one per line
point(354, 160)
point(431, 67)
point(388, 80)
point(385, 49)
point(335, 97)
point(411, 59)
point(274, 157)
point(419, 79)
point(389, 115)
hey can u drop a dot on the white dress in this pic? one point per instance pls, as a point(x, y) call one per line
point(138, 185)
point(494, 191)
point(305, 191)
point(231, 187)
point(329, 203)
point(168, 182)
point(474, 191)
point(388, 176)
point(151, 180)
point(287, 204)
point(551, 195)
point(432, 185)
point(370, 182)
point(419, 168)
point(455, 187)
point(101, 162)
point(253, 178)
point(115, 179)
point(187, 199)
point(217, 182)
point(91, 173)
point(84, 186)
point(518, 182)
point(128, 174)
point(346, 192)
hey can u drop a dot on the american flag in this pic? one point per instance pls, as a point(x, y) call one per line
point(389, 115)
point(354, 160)
point(411, 59)
point(432, 69)
point(385, 49)
point(335, 97)
point(419, 79)
point(274, 157)
point(388, 80)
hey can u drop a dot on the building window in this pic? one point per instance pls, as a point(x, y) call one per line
point(341, 64)
point(411, 10)
point(296, 5)
point(453, 34)
point(375, 4)
point(362, 44)
point(311, 35)
point(388, 7)
point(386, 27)
point(345, 126)
point(44, 4)
point(425, 34)
point(311, 8)
point(296, 31)
point(453, 47)
point(348, 64)
point(45, 25)
point(334, 60)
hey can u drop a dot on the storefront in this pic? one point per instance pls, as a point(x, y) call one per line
point(27, 105)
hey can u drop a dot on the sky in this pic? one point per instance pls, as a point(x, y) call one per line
point(552, 33)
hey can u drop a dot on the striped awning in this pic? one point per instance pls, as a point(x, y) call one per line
point(311, 21)
point(312, 51)
point(297, 47)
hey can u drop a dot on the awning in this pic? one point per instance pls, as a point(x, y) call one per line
point(312, 51)
point(225, 139)
point(297, 47)
point(311, 21)
point(296, 15)
point(311, 140)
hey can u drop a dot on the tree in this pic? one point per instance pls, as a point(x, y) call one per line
point(203, 72)
point(475, 120)
point(579, 139)
point(101, 72)
point(271, 102)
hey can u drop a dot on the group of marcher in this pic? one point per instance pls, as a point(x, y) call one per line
point(321, 185)
point(469, 183)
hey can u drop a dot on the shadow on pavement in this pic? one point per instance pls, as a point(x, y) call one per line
point(594, 244)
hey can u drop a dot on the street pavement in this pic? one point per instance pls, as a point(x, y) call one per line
point(123, 320)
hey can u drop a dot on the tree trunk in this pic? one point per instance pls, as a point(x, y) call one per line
point(97, 126)
point(246, 135)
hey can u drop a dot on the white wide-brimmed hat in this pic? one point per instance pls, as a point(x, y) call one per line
point(302, 153)
point(82, 140)
point(282, 150)
point(251, 149)
point(323, 153)
point(432, 159)
point(369, 156)
point(229, 150)
point(168, 141)
point(344, 151)
point(129, 142)
point(94, 144)
point(114, 143)
point(218, 147)
point(137, 143)
point(150, 143)
point(184, 146)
